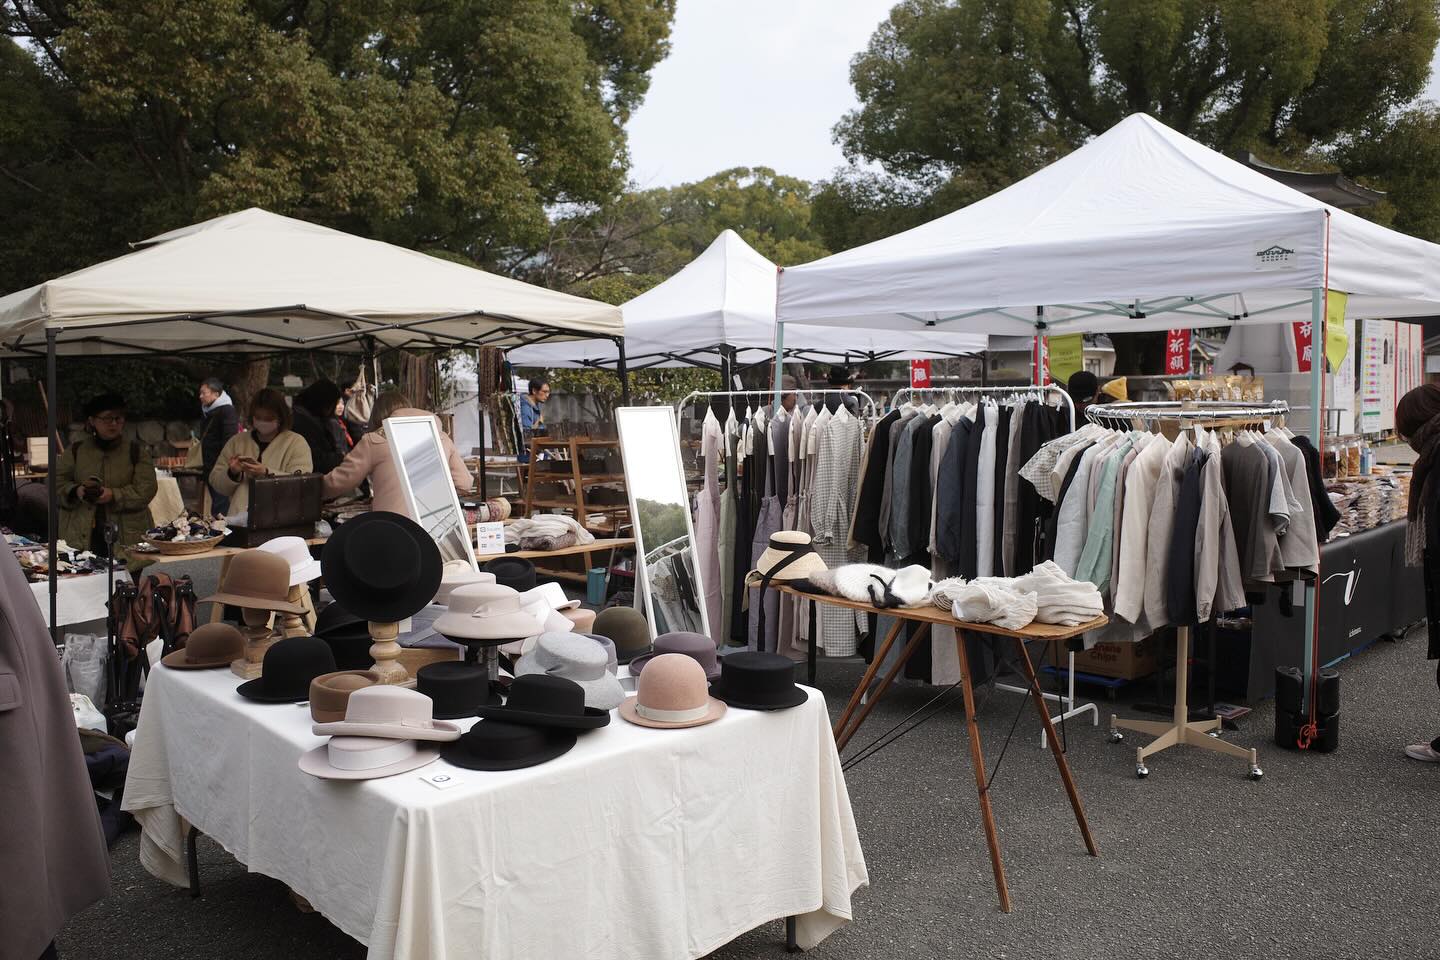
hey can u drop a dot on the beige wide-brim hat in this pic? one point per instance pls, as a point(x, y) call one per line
point(672, 693)
point(486, 611)
point(366, 758)
point(788, 556)
point(257, 580)
point(456, 574)
point(389, 713)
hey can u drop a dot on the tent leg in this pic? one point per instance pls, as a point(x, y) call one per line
point(621, 372)
point(1317, 427)
point(51, 482)
point(480, 413)
point(779, 360)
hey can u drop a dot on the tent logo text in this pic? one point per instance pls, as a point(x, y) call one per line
point(1274, 256)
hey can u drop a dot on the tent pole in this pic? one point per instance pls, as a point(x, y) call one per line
point(1037, 355)
point(480, 413)
point(1318, 318)
point(621, 372)
point(51, 482)
point(779, 359)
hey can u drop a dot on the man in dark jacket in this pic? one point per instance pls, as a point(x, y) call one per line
point(314, 410)
point(221, 422)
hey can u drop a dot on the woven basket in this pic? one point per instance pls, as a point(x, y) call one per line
point(184, 548)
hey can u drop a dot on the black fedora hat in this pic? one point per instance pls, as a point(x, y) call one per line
point(540, 700)
point(287, 670)
point(381, 566)
point(336, 621)
point(493, 745)
point(758, 681)
point(458, 689)
point(514, 572)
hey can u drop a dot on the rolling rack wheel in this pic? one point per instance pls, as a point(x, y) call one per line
point(1142, 771)
point(1256, 773)
point(1115, 736)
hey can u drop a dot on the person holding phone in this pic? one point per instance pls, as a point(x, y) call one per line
point(105, 476)
point(268, 447)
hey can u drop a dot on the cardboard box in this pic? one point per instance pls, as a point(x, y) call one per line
point(1124, 661)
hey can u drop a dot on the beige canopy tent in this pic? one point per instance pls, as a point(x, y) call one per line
point(259, 283)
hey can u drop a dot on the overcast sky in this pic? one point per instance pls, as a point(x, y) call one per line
point(756, 83)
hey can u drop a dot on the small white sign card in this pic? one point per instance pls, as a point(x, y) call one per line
point(489, 538)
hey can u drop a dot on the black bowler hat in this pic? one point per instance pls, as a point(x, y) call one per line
point(458, 689)
point(381, 566)
point(493, 745)
point(287, 670)
point(514, 572)
point(758, 681)
point(540, 700)
point(336, 621)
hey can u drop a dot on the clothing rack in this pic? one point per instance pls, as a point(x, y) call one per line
point(1181, 729)
point(953, 390)
point(767, 398)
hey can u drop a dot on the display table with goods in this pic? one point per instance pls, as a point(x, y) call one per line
point(629, 845)
point(926, 613)
point(81, 591)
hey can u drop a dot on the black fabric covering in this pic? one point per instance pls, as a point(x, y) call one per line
point(872, 483)
point(950, 494)
point(1326, 516)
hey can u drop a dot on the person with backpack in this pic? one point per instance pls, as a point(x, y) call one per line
point(105, 476)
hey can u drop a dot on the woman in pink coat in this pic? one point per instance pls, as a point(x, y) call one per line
point(371, 458)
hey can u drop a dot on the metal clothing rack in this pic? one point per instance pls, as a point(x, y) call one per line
point(1181, 729)
point(764, 397)
point(957, 390)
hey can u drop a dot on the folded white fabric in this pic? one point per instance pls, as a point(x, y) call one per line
point(546, 525)
point(986, 603)
point(1060, 599)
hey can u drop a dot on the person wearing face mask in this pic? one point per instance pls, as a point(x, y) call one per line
point(105, 476)
point(268, 447)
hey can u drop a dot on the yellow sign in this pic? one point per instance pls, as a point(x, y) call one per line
point(1067, 356)
point(1337, 341)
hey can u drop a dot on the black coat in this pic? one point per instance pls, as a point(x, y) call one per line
point(968, 562)
point(950, 494)
point(1002, 456)
point(325, 451)
point(872, 484)
point(219, 425)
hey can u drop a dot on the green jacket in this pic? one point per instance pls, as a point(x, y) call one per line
point(126, 470)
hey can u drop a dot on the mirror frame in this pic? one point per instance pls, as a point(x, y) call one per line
point(638, 428)
point(408, 487)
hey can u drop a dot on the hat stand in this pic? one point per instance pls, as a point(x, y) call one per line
point(259, 636)
point(386, 651)
point(485, 653)
point(293, 624)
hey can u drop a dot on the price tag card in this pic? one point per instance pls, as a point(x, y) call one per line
point(489, 538)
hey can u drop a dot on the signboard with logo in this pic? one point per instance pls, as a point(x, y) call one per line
point(1274, 255)
point(920, 375)
point(1177, 353)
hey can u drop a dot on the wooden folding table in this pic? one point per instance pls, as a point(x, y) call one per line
point(925, 618)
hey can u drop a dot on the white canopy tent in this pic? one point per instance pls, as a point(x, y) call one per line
point(725, 298)
point(258, 283)
point(255, 281)
point(1141, 229)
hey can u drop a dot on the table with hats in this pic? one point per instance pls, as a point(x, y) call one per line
point(460, 810)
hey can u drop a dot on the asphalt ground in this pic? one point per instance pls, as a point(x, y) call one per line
point(1328, 856)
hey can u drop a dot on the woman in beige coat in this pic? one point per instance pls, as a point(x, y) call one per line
point(268, 447)
point(371, 458)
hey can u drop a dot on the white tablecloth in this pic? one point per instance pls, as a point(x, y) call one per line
point(636, 844)
point(77, 599)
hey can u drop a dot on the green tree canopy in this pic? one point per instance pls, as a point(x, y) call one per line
point(444, 124)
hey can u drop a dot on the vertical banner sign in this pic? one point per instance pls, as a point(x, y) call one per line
point(1177, 353)
point(1304, 345)
point(920, 374)
point(1067, 356)
point(1040, 360)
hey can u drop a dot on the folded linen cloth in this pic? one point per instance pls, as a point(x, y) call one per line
point(987, 603)
point(1061, 599)
point(546, 526)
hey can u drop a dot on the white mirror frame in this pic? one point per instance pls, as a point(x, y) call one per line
point(466, 534)
point(644, 421)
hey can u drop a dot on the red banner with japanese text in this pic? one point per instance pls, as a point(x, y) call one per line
point(1304, 344)
point(920, 374)
point(1177, 353)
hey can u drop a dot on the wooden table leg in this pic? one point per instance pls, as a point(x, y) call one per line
point(865, 681)
point(1060, 760)
point(885, 682)
point(977, 760)
point(217, 610)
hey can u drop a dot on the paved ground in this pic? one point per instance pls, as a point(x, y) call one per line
point(1327, 857)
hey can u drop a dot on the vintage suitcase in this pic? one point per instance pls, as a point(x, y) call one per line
point(280, 506)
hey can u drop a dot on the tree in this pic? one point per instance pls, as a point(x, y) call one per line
point(959, 98)
point(444, 124)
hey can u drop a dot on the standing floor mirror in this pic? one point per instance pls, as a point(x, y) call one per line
point(424, 471)
point(666, 572)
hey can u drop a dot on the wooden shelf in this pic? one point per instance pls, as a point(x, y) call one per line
point(590, 507)
point(575, 500)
